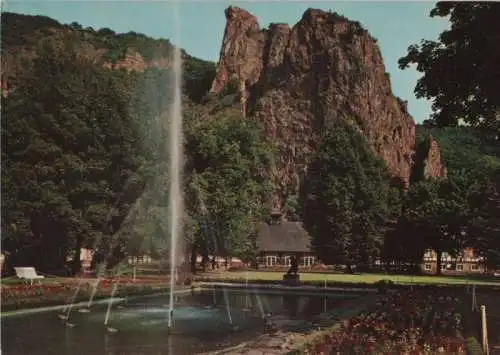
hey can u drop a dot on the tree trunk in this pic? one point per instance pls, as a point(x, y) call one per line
point(348, 269)
point(193, 259)
point(204, 262)
point(439, 254)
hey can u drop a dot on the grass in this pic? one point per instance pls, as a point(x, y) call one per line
point(269, 276)
point(353, 278)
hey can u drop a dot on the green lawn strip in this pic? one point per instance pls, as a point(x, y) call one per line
point(349, 278)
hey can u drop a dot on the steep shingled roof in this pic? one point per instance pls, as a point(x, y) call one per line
point(283, 237)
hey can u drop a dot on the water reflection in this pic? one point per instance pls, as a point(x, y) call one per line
point(291, 303)
point(142, 325)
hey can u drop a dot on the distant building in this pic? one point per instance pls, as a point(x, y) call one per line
point(86, 255)
point(279, 240)
point(143, 259)
point(2, 260)
point(467, 262)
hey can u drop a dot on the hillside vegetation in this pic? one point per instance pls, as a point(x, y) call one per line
point(85, 164)
point(84, 148)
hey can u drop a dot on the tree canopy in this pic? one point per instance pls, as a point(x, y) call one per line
point(462, 148)
point(69, 158)
point(226, 188)
point(85, 158)
point(460, 70)
point(348, 200)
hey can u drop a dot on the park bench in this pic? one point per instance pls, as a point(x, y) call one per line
point(28, 274)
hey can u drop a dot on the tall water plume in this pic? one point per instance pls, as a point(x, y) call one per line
point(175, 148)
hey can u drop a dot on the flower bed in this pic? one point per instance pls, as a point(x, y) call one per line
point(416, 322)
point(44, 294)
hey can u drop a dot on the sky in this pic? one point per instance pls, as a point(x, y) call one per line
point(396, 25)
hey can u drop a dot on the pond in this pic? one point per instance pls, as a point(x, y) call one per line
point(142, 324)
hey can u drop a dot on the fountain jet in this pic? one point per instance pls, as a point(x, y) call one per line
point(175, 140)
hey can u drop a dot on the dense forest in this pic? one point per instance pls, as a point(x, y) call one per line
point(85, 164)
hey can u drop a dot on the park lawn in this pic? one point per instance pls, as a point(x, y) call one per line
point(352, 278)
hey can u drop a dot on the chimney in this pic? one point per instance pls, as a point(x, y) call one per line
point(276, 217)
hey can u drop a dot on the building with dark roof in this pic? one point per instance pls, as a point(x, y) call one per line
point(279, 240)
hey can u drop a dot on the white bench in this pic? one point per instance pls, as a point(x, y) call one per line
point(28, 274)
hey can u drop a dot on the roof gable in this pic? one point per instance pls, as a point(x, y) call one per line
point(283, 237)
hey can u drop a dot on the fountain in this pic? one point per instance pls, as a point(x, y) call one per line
point(100, 272)
point(214, 240)
point(175, 195)
point(248, 305)
point(108, 311)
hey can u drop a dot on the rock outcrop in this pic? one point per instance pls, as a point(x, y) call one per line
point(432, 165)
point(298, 80)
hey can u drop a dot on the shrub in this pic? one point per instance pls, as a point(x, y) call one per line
point(473, 347)
point(384, 285)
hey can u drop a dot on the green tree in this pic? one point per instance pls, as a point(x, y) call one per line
point(473, 164)
point(460, 71)
point(226, 189)
point(436, 215)
point(484, 204)
point(69, 157)
point(461, 147)
point(85, 149)
point(347, 199)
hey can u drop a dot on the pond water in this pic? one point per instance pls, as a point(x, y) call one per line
point(142, 324)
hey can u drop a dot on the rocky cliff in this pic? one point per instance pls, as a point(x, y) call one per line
point(432, 160)
point(297, 80)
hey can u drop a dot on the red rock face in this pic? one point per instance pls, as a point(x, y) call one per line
point(241, 52)
point(300, 79)
point(433, 168)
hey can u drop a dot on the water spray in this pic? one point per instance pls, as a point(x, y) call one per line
point(259, 304)
point(175, 163)
point(248, 306)
point(69, 308)
point(110, 303)
point(324, 297)
point(214, 239)
point(214, 297)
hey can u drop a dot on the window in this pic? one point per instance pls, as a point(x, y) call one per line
point(271, 260)
point(474, 267)
point(427, 266)
point(287, 261)
point(307, 261)
point(460, 267)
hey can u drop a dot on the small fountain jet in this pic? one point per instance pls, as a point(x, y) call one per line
point(65, 317)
